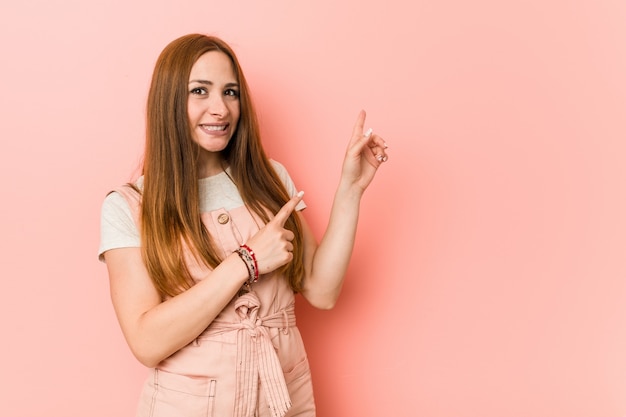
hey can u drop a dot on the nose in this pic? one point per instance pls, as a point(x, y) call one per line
point(216, 106)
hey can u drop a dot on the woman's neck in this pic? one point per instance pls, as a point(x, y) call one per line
point(211, 164)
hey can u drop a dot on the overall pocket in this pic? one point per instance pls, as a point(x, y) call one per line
point(182, 396)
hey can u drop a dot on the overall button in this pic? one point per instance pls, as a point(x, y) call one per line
point(223, 218)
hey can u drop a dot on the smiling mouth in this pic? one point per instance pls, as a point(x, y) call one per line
point(215, 128)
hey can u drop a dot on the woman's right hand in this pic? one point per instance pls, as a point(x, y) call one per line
point(272, 244)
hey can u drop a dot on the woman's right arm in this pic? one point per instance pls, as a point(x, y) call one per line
point(155, 329)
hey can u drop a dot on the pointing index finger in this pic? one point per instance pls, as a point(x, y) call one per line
point(286, 210)
point(357, 132)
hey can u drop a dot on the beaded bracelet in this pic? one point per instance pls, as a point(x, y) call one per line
point(248, 257)
point(256, 265)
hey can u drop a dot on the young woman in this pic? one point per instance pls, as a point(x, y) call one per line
point(207, 248)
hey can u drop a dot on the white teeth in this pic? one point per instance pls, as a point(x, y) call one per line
point(215, 128)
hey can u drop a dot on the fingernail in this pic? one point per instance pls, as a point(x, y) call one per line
point(380, 158)
point(300, 194)
point(369, 132)
point(386, 146)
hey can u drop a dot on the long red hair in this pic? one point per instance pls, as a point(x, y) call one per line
point(170, 209)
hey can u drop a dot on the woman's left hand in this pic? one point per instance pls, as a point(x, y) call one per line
point(366, 152)
point(326, 264)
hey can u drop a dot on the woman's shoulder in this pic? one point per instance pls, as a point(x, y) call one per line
point(287, 181)
point(281, 170)
point(124, 198)
point(278, 167)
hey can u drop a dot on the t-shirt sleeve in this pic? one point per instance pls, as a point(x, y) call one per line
point(286, 179)
point(117, 225)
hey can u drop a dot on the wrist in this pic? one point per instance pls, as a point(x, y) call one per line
point(247, 255)
point(349, 191)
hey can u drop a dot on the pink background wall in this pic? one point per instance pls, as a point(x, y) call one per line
point(489, 278)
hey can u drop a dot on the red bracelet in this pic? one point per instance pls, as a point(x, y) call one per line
point(256, 265)
point(247, 255)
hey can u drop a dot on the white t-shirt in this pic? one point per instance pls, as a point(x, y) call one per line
point(117, 225)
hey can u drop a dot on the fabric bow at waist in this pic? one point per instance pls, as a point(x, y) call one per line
point(257, 361)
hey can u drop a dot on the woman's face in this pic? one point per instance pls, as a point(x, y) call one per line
point(213, 102)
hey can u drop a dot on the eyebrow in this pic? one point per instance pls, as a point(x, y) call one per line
point(207, 82)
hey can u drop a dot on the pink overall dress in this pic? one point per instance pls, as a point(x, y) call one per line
point(250, 362)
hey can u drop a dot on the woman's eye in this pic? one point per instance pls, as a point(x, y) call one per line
point(198, 90)
point(231, 92)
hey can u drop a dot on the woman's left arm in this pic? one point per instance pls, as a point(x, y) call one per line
point(326, 264)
